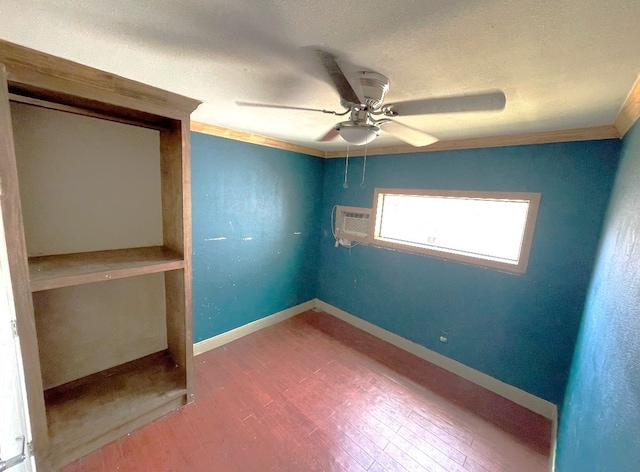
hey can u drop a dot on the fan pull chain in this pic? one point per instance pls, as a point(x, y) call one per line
point(364, 165)
point(346, 169)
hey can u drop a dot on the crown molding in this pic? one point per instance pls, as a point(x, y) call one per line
point(214, 130)
point(630, 110)
point(545, 137)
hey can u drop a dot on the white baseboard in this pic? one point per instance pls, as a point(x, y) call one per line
point(554, 441)
point(224, 338)
point(516, 395)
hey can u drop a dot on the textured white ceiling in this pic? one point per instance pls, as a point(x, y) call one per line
point(561, 63)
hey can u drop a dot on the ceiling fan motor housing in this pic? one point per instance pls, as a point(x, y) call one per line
point(374, 87)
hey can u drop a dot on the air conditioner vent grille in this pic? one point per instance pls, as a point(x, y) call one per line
point(356, 224)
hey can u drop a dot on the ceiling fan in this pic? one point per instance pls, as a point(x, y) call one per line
point(368, 116)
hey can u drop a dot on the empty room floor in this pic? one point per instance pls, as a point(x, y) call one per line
point(313, 393)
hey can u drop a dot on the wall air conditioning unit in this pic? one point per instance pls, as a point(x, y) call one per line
point(352, 225)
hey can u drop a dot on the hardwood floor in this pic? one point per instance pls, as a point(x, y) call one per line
point(316, 394)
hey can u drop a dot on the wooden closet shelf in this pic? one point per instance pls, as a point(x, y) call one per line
point(98, 408)
point(64, 270)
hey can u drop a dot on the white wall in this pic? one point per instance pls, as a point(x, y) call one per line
point(86, 184)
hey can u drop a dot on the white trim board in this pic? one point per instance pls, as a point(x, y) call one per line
point(237, 333)
point(554, 441)
point(516, 395)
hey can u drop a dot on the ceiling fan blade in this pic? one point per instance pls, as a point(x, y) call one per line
point(330, 135)
point(410, 135)
point(337, 77)
point(457, 104)
point(283, 107)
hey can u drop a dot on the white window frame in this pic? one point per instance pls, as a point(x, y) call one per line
point(520, 267)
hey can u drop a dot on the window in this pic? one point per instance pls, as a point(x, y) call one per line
point(492, 229)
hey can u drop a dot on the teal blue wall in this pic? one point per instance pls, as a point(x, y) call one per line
point(519, 329)
point(241, 191)
point(600, 423)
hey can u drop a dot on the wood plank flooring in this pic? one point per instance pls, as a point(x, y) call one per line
point(315, 394)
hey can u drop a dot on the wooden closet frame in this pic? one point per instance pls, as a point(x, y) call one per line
point(39, 79)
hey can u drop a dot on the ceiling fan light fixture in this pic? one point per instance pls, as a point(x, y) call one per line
point(357, 134)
